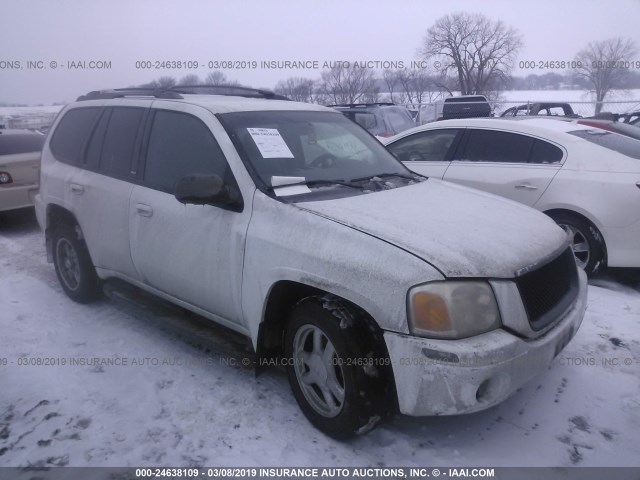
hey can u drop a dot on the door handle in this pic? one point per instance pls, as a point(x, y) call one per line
point(77, 189)
point(144, 210)
point(526, 186)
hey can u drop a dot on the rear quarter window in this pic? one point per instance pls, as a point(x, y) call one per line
point(545, 152)
point(71, 134)
point(619, 143)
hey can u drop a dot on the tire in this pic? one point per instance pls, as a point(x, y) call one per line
point(338, 396)
point(586, 241)
point(73, 265)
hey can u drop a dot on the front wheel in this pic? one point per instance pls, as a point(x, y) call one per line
point(334, 382)
point(586, 241)
point(73, 265)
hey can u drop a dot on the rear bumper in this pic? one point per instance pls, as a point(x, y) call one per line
point(12, 197)
point(448, 377)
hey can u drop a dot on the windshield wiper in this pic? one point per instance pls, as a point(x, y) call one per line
point(383, 175)
point(319, 182)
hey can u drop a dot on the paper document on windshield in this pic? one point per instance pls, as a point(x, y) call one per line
point(282, 186)
point(270, 143)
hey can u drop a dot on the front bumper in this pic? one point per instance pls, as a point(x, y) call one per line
point(448, 377)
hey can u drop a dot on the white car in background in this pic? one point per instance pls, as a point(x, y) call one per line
point(19, 167)
point(586, 179)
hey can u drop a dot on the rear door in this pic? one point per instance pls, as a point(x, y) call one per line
point(98, 149)
point(512, 165)
point(428, 153)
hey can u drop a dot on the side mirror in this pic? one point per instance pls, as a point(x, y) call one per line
point(208, 189)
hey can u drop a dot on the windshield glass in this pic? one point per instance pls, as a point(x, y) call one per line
point(307, 147)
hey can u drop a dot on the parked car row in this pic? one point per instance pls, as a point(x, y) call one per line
point(541, 108)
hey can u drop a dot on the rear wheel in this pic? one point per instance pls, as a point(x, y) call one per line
point(586, 241)
point(335, 383)
point(73, 265)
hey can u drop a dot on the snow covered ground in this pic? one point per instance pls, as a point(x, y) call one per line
point(175, 399)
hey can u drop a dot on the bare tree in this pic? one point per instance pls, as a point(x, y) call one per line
point(419, 87)
point(347, 84)
point(216, 77)
point(166, 82)
point(162, 82)
point(191, 79)
point(299, 89)
point(371, 95)
point(602, 64)
point(390, 78)
point(411, 87)
point(477, 51)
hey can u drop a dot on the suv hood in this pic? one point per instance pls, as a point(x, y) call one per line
point(460, 231)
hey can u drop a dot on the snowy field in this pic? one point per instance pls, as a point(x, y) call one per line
point(179, 401)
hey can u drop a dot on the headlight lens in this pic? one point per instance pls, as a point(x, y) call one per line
point(452, 309)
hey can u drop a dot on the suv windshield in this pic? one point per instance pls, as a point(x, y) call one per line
point(286, 147)
point(613, 141)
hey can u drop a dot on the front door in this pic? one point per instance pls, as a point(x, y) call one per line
point(192, 252)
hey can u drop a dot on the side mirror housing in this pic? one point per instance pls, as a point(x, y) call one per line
point(208, 189)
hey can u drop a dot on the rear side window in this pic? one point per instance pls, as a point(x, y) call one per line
point(71, 134)
point(625, 145)
point(431, 146)
point(180, 145)
point(119, 141)
point(545, 152)
point(20, 143)
point(494, 146)
point(94, 149)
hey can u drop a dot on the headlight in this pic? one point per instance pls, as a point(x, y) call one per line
point(452, 309)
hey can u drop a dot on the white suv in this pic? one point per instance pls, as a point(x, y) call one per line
point(378, 289)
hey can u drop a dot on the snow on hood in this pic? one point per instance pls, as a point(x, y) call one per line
point(461, 231)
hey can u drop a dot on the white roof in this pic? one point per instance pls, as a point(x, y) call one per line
point(213, 103)
point(229, 103)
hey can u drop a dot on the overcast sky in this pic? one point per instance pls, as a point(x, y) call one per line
point(123, 32)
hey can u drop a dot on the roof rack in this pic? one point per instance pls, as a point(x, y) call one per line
point(230, 90)
point(129, 92)
point(177, 91)
point(355, 105)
